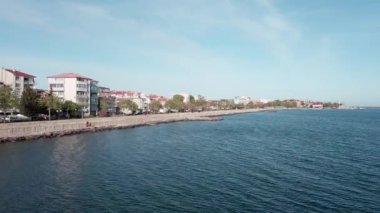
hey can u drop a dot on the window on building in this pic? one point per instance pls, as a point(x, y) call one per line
point(81, 93)
point(82, 86)
point(56, 85)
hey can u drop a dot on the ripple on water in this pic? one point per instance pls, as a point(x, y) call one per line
point(319, 161)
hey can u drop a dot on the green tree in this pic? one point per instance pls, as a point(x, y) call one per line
point(201, 103)
point(104, 104)
point(30, 102)
point(155, 106)
point(51, 102)
point(290, 104)
point(128, 104)
point(171, 104)
point(331, 105)
point(239, 106)
point(178, 98)
point(226, 104)
point(8, 100)
point(251, 105)
point(71, 108)
point(190, 106)
point(175, 104)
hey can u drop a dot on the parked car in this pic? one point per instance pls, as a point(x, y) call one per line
point(40, 117)
point(17, 118)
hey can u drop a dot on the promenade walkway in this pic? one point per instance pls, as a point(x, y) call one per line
point(36, 129)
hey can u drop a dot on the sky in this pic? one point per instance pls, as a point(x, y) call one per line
point(265, 49)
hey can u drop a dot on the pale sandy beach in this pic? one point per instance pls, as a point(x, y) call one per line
point(32, 130)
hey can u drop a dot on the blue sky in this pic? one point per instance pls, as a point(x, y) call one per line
point(319, 50)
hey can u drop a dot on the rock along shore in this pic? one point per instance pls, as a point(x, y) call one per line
point(12, 132)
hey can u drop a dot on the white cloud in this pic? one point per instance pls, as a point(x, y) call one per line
point(167, 34)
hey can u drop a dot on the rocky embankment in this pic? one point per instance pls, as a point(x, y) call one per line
point(11, 132)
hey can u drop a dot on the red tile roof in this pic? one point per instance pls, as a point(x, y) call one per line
point(104, 88)
point(125, 93)
point(19, 73)
point(69, 75)
point(156, 97)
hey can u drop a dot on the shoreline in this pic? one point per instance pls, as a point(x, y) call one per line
point(28, 131)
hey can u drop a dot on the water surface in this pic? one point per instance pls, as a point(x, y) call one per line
point(319, 161)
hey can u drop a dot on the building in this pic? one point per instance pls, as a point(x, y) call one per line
point(76, 88)
point(94, 101)
point(316, 105)
point(17, 80)
point(186, 97)
point(139, 98)
point(242, 100)
point(104, 94)
point(161, 99)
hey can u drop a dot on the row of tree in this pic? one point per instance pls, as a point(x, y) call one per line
point(177, 103)
point(331, 105)
point(31, 103)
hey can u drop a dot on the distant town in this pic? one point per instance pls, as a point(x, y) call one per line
point(71, 95)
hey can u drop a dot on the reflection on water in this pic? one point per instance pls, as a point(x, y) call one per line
point(68, 157)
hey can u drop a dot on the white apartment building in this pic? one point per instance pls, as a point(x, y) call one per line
point(73, 87)
point(186, 97)
point(17, 80)
point(139, 98)
point(242, 100)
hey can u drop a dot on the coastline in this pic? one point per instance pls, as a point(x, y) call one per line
point(27, 131)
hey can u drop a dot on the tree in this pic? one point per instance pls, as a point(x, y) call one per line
point(8, 100)
point(201, 103)
point(51, 102)
point(71, 108)
point(128, 104)
point(251, 105)
point(178, 98)
point(290, 104)
point(190, 106)
point(29, 102)
point(103, 104)
point(155, 106)
point(331, 105)
point(226, 104)
point(175, 104)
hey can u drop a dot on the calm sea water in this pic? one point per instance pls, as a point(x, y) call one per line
point(288, 161)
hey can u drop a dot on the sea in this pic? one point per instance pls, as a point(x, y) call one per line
point(284, 161)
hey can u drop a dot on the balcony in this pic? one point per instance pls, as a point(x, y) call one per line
point(83, 87)
point(82, 100)
point(80, 89)
point(29, 84)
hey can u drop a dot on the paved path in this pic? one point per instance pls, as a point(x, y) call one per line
point(32, 130)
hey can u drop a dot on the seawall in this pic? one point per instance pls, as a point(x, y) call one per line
point(11, 132)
